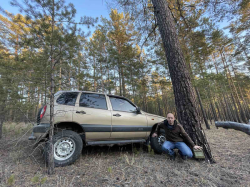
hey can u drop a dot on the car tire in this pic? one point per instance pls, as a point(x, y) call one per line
point(67, 148)
point(156, 142)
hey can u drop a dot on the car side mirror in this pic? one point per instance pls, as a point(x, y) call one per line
point(138, 110)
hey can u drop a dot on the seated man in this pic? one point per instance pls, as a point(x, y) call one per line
point(175, 136)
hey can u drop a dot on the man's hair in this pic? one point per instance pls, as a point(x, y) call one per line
point(170, 113)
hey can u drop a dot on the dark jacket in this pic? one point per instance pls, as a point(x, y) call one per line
point(176, 133)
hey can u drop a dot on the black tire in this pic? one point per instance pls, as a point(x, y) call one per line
point(156, 142)
point(67, 148)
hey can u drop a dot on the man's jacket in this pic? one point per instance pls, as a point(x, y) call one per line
point(174, 133)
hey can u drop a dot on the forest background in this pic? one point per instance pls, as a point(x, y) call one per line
point(125, 56)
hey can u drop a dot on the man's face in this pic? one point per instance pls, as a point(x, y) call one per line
point(170, 118)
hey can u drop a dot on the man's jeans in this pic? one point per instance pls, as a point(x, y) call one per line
point(184, 150)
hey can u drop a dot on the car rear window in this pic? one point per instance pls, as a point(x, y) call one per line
point(67, 98)
point(93, 101)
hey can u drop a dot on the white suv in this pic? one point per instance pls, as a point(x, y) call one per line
point(88, 118)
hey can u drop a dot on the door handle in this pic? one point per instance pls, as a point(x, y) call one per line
point(117, 115)
point(80, 112)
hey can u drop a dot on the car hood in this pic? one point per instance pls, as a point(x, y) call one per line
point(160, 118)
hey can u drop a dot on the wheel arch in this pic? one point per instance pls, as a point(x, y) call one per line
point(153, 129)
point(71, 126)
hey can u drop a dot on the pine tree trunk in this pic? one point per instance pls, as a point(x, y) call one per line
point(45, 84)
point(228, 109)
point(108, 81)
point(60, 77)
point(209, 111)
point(211, 99)
point(233, 117)
point(247, 111)
point(37, 103)
point(244, 105)
point(209, 114)
point(214, 112)
point(202, 109)
point(224, 109)
point(78, 72)
point(236, 114)
point(183, 90)
point(233, 88)
point(51, 164)
point(2, 118)
point(219, 113)
point(95, 75)
point(123, 83)
point(120, 81)
point(1, 129)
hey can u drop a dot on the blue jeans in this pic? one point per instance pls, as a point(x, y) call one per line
point(184, 150)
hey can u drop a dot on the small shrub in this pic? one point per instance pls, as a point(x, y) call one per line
point(128, 161)
point(35, 179)
point(150, 150)
point(11, 180)
point(38, 180)
point(109, 169)
point(135, 151)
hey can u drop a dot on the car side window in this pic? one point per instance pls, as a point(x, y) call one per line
point(120, 104)
point(67, 98)
point(93, 101)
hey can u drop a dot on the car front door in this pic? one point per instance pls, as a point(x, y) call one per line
point(92, 113)
point(126, 122)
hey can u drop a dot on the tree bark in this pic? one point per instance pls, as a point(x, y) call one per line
point(1, 129)
point(228, 109)
point(233, 125)
point(224, 110)
point(209, 114)
point(234, 108)
point(231, 84)
point(202, 109)
point(219, 113)
point(51, 164)
point(183, 90)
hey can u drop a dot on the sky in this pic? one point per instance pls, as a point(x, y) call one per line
point(94, 8)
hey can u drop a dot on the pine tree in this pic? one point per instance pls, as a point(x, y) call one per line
point(183, 91)
point(53, 30)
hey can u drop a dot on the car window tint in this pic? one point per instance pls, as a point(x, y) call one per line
point(93, 101)
point(67, 98)
point(120, 104)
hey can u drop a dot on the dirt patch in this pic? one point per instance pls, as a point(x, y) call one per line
point(121, 166)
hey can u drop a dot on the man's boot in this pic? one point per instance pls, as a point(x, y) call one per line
point(172, 157)
point(184, 157)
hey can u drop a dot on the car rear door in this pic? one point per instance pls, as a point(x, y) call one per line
point(126, 122)
point(91, 111)
point(63, 107)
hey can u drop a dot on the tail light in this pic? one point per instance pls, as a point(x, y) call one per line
point(43, 112)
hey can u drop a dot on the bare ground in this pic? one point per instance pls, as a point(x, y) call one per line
point(127, 165)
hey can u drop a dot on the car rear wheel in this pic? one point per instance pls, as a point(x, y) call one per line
point(67, 147)
point(156, 142)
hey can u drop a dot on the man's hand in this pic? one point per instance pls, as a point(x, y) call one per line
point(154, 135)
point(197, 147)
